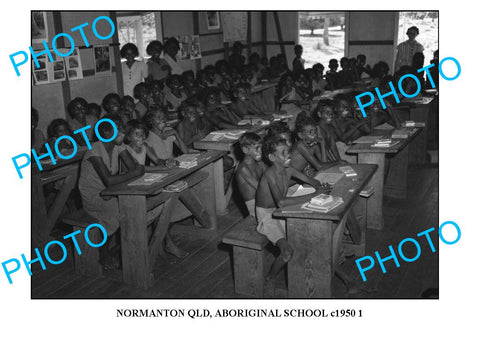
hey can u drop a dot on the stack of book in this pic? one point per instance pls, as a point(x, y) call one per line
point(254, 121)
point(323, 203)
point(148, 179)
point(176, 187)
point(411, 123)
point(401, 133)
point(231, 134)
point(367, 192)
point(280, 116)
point(384, 143)
point(348, 171)
point(187, 161)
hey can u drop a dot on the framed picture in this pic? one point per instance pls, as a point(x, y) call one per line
point(213, 20)
point(39, 27)
point(101, 56)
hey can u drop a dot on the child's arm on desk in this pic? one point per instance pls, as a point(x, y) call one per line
point(282, 201)
point(311, 159)
point(134, 169)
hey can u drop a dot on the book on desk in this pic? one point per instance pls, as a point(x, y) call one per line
point(323, 203)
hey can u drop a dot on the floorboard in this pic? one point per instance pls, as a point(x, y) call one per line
point(207, 271)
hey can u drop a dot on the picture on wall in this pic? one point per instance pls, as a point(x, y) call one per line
point(101, 55)
point(49, 71)
point(39, 27)
point(74, 66)
point(213, 20)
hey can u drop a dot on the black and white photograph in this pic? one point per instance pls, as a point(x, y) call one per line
point(102, 60)
point(240, 171)
point(213, 20)
point(39, 27)
point(284, 192)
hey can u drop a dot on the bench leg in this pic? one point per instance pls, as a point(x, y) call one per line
point(88, 263)
point(249, 271)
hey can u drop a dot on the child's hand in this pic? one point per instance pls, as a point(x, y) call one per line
point(202, 133)
point(311, 172)
point(139, 170)
point(324, 188)
point(171, 163)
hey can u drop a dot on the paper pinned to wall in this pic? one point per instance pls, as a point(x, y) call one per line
point(49, 71)
point(234, 26)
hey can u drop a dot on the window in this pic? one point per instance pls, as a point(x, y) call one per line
point(427, 23)
point(137, 28)
point(322, 35)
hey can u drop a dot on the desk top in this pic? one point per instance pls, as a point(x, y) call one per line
point(347, 187)
point(264, 86)
point(174, 174)
point(368, 148)
point(418, 100)
point(224, 144)
point(60, 162)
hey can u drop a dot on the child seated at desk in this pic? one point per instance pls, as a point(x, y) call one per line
point(245, 105)
point(347, 128)
point(303, 86)
point(99, 170)
point(174, 97)
point(332, 75)
point(94, 111)
point(77, 110)
point(141, 92)
point(217, 114)
point(289, 98)
point(160, 139)
point(319, 83)
point(362, 67)
point(128, 109)
point(324, 115)
point(189, 128)
point(157, 96)
point(112, 104)
point(189, 85)
point(250, 169)
point(136, 134)
point(38, 139)
point(281, 130)
point(271, 194)
point(308, 152)
point(56, 129)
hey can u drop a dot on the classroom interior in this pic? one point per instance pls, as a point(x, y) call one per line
point(227, 259)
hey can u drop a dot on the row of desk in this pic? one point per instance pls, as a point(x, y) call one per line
point(310, 271)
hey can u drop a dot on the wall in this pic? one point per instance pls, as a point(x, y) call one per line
point(289, 28)
point(373, 34)
point(51, 99)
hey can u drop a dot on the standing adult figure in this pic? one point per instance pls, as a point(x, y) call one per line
point(133, 71)
point(407, 49)
point(170, 50)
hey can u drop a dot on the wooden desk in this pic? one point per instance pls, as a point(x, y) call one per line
point(226, 145)
point(43, 219)
point(422, 109)
point(395, 182)
point(266, 91)
point(140, 205)
point(316, 237)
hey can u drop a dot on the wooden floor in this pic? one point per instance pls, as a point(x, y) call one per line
point(207, 272)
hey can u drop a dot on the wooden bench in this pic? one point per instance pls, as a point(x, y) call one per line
point(88, 263)
point(249, 260)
